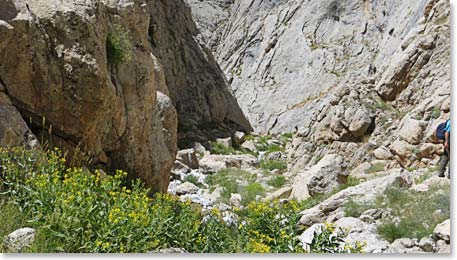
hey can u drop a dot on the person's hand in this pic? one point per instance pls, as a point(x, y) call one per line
point(446, 146)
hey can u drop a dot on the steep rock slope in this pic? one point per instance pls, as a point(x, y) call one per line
point(197, 86)
point(58, 81)
point(348, 77)
point(280, 56)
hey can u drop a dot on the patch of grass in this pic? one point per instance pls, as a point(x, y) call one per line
point(193, 179)
point(287, 135)
point(274, 148)
point(277, 181)
point(251, 191)
point(228, 180)
point(318, 158)
point(436, 113)
point(377, 167)
point(350, 182)
point(118, 46)
point(353, 208)
point(270, 165)
point(218, 148)
point(11, 218)
point(383, 120)
point(430, 172)
point(412, 212)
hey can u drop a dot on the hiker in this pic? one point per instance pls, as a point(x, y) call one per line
point(443, 132)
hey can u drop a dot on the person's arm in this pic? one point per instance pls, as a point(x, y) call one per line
point(446, 140)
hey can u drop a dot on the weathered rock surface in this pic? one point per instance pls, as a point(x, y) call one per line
point(58, 82)
point(320, 179)
point(367, 75)
point(186, 188)
point(443, 231)
point(281, 86)
point(188, 157)
point(196, 84)
point(404, 245)
point(214, 163)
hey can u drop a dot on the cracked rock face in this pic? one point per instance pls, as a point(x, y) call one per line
point(345, 76)
point(285, 59)
point(56, 82)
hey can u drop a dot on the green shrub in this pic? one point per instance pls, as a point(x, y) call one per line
point(436, 113)
point(350, 182)
point(287, 136)
point(269, 165)
point(355, 209)
point(412, 212)
point(377, 167)
point(251, 191)
point(277, 181)
point(217, 148)
point(193, 179)
point(118, 46)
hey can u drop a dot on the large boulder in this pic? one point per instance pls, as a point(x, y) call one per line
point(374, 243)
point(19, 239)
point(60, 68)
point(188, 157)
point(320, 179)
point(213, 163)
point(412, 130)
point(404, 245)
point(443, 231)
point(382, 153)
point(186, 188)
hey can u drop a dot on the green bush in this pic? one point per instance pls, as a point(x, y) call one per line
point(251, 191)
point(217, 148)
point(75, 210)
point(270, 165)
point(412, 212)
point(355, 209)
point(193, 179)
point(118, 46)
point(277, 181)
point(377, 167)
point(436, 113)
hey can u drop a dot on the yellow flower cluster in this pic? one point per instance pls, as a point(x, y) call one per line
point(103, 245)
point(330, 227)
point(258, 247)
point(261, 237)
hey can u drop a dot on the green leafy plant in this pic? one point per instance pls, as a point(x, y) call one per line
point(118, 45)
point(377, 167)
point(251, 191)
point(218, 148)
point(277, 181)
point(192, 179)
point(269, 165)
point(352, 208)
